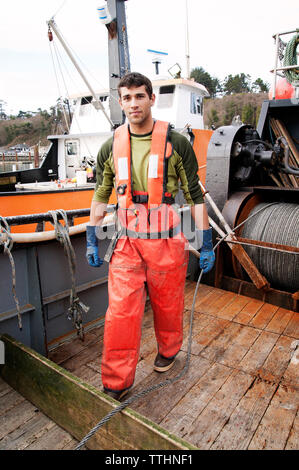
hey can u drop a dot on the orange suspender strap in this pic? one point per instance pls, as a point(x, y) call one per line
point(122, 164)
point(155, 181)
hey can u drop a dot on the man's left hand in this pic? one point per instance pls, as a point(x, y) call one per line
point(207, 255)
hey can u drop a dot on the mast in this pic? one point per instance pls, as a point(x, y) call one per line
point(118, 51)
point(187, 43)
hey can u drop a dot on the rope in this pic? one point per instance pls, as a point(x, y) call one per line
point(77, 308)
point(290, 58)
point(7, 247)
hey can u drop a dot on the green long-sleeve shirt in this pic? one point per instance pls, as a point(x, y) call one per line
point(182, 168)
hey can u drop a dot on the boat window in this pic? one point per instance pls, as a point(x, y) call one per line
point(71, 148)
point(166, 95)
point(86, 100)
point(196, 104)
point(103, 98)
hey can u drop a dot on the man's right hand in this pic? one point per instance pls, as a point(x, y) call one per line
point(92, 247)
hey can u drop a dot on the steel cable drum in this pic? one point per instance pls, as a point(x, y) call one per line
point(279, 224)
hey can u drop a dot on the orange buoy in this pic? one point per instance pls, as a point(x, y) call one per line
point(284, 90)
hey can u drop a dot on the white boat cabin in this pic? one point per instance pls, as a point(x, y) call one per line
point(178, 101)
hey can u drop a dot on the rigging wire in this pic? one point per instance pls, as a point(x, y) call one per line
point(60, 8)
point(59, 61)
point(56, 77)
point(85, 66)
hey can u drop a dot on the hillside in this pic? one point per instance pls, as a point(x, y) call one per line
point(217, 112)
point(30, 130)
point(220, 111)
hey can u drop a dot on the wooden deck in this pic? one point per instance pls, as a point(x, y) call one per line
point(242, 387)
point(24, 427)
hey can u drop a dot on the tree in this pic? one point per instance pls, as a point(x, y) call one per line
point(237, 84)
point(213, 118)
point(231, 109)
point(249, 114)
point(204, 78)
point(2, 111)
point(24, 114)
point(259, 86)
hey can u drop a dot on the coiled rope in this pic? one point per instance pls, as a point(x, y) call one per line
point(290, 58)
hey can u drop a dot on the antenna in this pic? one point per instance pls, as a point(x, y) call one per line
point(187, 43)
point(157, 58)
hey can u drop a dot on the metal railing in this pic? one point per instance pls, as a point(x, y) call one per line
point(276, 67)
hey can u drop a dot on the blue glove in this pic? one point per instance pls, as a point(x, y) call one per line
point(92, 247)
point(207, 255)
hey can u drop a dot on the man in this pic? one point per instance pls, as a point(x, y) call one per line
point(145, 160)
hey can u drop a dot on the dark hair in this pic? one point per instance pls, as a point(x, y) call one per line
point(135, 79)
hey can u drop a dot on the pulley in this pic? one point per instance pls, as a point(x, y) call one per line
point(50, 35)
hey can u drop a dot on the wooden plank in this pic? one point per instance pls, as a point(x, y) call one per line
point(239, 346)
point(210, 422)
point(71, 445)
point(216, 304)
point(11, 399)
point(258, 353)
point(230, 311)
point(200, 324)
point(89, 376)
point(278, 360)
point(248, 312)
point(89, 354)
point(202, 301)
point(292, 328)
point(216, 348)
point(180, 418)
point(55, 438)
point(275, 427)
point(280, 321)
point(27, 433)
point(238, 431)
point(203, 291)
point(291, 376)
point(207, 335)
point(263, 316)
point(4, 388)
point(207, 304)
point(283, 130)
point(293, 439)
point(15, 417)
point(172, 393)
point(244, 259)
point(74, 347)
point(76, 406)
point(144, 368)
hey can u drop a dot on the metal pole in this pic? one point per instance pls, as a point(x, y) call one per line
point(53, 26)
point(275, 68)
point(187, 43)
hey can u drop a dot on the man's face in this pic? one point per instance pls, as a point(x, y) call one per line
point(136, 104)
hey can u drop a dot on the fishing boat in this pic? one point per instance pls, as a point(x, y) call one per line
point(240, 389)
point(65, 179)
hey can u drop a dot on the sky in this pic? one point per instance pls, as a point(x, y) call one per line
point(225, 37)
